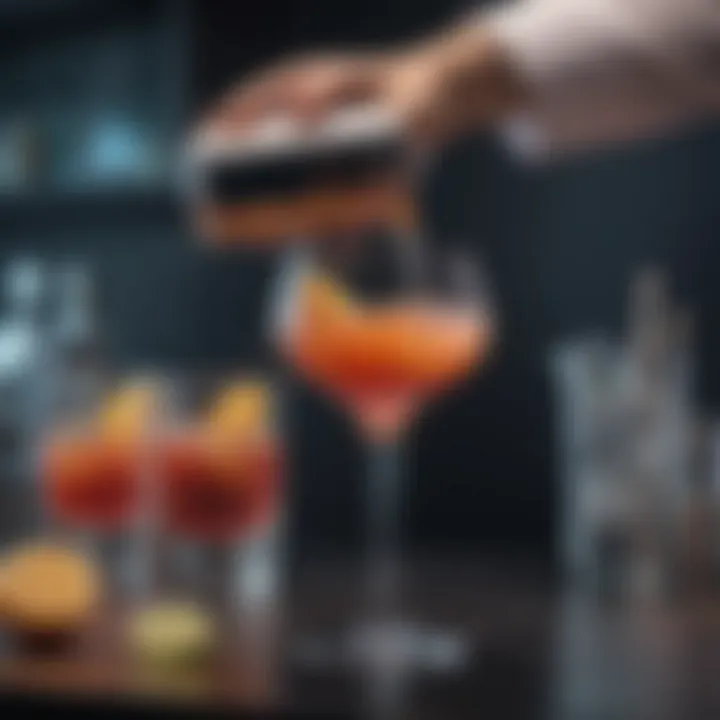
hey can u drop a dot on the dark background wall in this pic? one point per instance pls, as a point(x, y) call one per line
point(562, 243)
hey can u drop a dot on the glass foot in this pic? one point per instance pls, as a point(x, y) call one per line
point(394, 646)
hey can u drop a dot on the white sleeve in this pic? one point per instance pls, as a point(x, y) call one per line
point(609, 70)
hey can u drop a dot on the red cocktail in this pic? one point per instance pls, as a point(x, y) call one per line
point(383, 361)
point(213, 489)
point(92, 481)
point(219, 465)
point(92, 469)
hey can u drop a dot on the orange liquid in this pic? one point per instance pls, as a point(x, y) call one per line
point(92, 481)
point(216, 491)
point(384, 361)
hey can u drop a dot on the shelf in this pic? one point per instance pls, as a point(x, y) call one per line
point(106, 201)
point(40, 15)
point(34, 9)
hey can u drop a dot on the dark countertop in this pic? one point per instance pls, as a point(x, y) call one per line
point(537, 654)
point(505, 615)
point(540, 652)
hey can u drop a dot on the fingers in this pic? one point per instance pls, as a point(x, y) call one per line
point(306, 91)
point(249, 102)
point(334, 86)
point(422, 99)
point(270, 93)
point(410, 94)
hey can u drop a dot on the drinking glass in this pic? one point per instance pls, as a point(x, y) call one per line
point(382, 325)
point(93, 469)
point(217, 462)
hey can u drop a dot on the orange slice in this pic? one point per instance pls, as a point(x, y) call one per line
point(325, 299)
point(47, 588)
point(243, 408)
point(126, 412)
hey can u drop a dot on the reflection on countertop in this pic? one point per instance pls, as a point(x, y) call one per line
point(540, 650)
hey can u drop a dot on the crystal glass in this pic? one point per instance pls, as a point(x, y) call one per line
point(93, 469)
point(383, 325)
point(217, 464)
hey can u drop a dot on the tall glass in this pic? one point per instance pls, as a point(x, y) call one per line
point(217, 461)
point(94, 470)
point(383, 326)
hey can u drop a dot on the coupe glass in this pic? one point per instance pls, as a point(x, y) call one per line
point(382, 326)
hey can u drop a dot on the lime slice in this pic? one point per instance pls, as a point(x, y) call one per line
point(172, 633)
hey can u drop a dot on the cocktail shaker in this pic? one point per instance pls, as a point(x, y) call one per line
point(281, 180)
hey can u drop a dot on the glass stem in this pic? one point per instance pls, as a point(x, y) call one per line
point(383, 526)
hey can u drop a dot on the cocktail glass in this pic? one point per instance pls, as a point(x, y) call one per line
point(93, 471)
point(382, 327)
point(217, 460)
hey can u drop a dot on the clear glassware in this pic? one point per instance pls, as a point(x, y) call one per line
point(93, 468)
point(23, 364)
point(217, 463)
point(382, 326)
